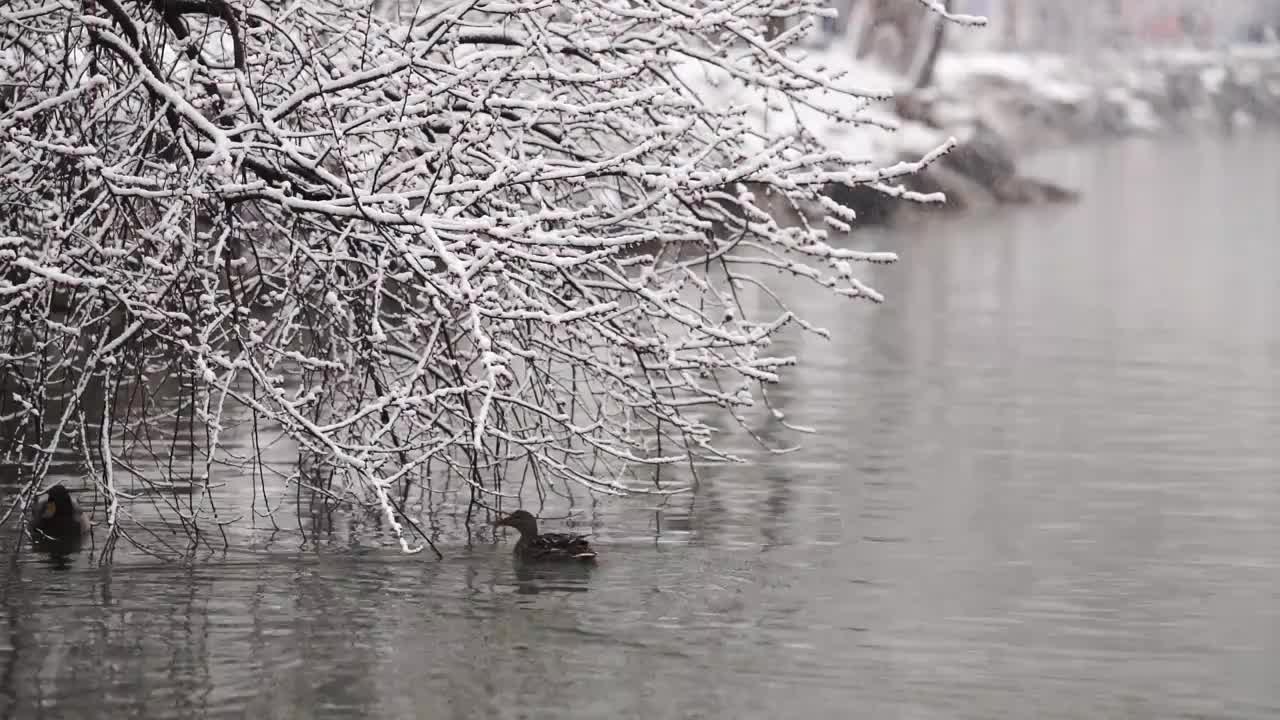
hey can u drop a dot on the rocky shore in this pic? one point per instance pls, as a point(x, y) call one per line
point(1002, 107)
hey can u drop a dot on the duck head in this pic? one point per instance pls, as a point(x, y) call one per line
point(521, 520)
point(58, 503)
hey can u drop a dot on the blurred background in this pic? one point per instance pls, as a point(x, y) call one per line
point(904, 34)
point(1043, 478)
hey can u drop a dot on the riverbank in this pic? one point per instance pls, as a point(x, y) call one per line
point(1005, 107)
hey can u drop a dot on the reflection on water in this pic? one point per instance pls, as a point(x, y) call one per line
point(1045, 485)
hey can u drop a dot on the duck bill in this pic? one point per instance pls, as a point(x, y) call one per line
point(50, 509)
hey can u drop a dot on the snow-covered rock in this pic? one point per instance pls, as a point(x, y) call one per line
point(1004, 106)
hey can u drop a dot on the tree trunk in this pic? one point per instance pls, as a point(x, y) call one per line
point(924, 71)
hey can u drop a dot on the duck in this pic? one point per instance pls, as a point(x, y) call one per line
point(58, 517)
point(545, 546)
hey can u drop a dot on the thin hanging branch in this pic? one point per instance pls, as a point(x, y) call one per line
point(479, 239)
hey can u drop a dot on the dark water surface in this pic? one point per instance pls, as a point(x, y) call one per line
point(1046, 484)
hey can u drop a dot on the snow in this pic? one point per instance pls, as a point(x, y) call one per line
point(1108, 86)
point(429, 254)
point(873, 133)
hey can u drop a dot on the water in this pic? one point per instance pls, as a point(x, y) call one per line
point(1046, 484)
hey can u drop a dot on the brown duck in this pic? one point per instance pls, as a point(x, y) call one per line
point(547, 546)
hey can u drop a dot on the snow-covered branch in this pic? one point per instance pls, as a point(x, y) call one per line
point(494, 235)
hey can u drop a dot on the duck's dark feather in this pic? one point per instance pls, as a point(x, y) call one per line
point(556, 546)
point(60, 528)
point(58, 518)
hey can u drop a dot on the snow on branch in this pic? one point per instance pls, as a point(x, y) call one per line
point(490, 239)
point(940, 7)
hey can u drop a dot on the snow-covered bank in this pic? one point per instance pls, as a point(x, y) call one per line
point(1003, 107)
point(1032, 100)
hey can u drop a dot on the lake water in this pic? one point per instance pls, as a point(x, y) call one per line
point(1045, 483)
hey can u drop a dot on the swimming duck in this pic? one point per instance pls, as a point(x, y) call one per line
point(58, 517)
point(547, 546)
